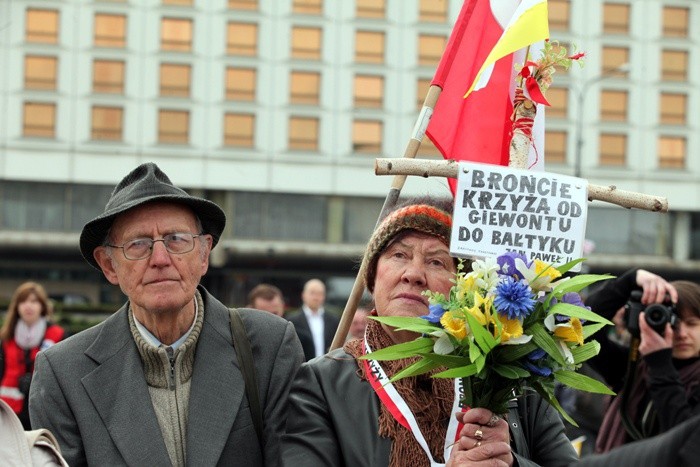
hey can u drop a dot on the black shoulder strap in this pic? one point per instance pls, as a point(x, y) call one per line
point(516, 429)
point(245, 359)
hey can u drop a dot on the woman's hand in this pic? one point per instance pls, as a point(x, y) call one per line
point(484, 440)
point(652, 341)
point(655, 288)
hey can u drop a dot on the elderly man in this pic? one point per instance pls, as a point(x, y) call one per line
point(315, 327)
point(159, 382)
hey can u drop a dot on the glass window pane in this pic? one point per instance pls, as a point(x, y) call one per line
point(555, 146)
point(242, 39)
point(636, 232)
point(240, 84)
point(616, 18)
point(173, 126)
point(303, 133)
point(422, 86)
point(178, 2)
point(304, 87)
point(370, 8)
point(39, 119)
point(33, 206)
point(673, 108)
point(108, 76)
point(360, 216)
point(110, 30)
point(42, 26)
point(559, 14)
point(433, 11)
point(614, 58)
point(176, 34)
point(430, 49)
point(308, 7)
point(559, 101)
point(613, 105)
point(239, 130)
point(367, 136)
point(674, 65)
point(306, 43)
point(369, 47)
point(369, 91)
point(613, 149)
point(40, 72)
point(675, 21)
point(107, 123)
point(86, 202)
point(174, 80)
point(672, 152)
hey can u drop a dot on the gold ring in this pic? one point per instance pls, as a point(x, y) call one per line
point(494, 419)
point(478, 443)
point(478, 434)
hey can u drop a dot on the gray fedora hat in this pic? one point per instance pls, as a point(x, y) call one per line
point(145, 184)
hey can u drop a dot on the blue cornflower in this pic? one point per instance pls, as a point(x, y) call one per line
point(436, 312)
point(535, 363)
point(536, 354)
point(513, 298)
point(506, 264)
point(538, 370)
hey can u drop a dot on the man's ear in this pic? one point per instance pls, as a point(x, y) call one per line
point(106, 264)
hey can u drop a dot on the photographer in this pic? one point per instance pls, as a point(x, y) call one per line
point(663, 389)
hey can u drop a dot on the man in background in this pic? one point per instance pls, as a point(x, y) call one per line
point(266, 297)
point(359, 322)
point(313, 320)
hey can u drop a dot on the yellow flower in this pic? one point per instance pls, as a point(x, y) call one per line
point(543, 269)
point(476, 312)
point(511, 328)
point(465, 285)
point(455, 326)
point(570, 332)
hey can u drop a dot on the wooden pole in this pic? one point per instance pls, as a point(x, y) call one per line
point(392, 197)
point(450, 168)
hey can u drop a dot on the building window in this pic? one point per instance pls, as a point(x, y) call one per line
point(555, 146)
point(369, 47)
point(430, 49)
point(616, 18)
point(110, 30)
point(675, 22)
point(367, 136)
point(304, 87)
point(178, 2)
point(434, 11)
point(559, 101)
point(613, 105)
point(39, 119)
point(175, 80)
point(370, 8)
point(173, 126)
point(42, 26)
point(427, 149)
point(176, 34)
point(613, 148)
point(422, 86)
point(40, 72)
point(239, 130)
point(671, 152)
point(107, 123)
point(559, 14)
point(308, 7)
point(242, 39)
point(108, 76)
point(614, 58)
point(369, 91)
point(243, 4)
point(303, 133)
point(240, 84)
point(673, 108)
point(306, 43)
point(674, 65)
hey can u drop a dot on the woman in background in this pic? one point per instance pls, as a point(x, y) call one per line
point(26, 331)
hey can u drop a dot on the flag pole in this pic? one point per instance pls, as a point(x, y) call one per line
point(392, 197)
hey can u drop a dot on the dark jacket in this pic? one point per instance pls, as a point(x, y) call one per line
point(333, 420)
point(301, 325)
point(90, 391)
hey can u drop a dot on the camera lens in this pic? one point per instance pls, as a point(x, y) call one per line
point(656, 315)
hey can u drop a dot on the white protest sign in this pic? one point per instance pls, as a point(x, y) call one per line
point(500, 209)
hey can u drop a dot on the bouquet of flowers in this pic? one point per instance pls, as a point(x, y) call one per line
point(507, 325)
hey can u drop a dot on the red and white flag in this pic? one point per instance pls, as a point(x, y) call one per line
point(472, 117)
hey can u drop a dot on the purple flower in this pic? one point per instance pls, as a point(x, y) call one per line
point(513, 298)
point(573, 298)
point(436, 312)
point(506, 264)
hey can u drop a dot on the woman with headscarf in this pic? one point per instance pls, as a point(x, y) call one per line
point(344, 413)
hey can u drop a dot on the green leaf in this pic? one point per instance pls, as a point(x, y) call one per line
point(480, 362)
point(581, 382)
point(474, 352)
point(544, 340)
point(510, 371)
point(421, 367)
point(461, 372)
point(586, 351)
point(407, 323)
point(406, 349)
point(509, 353)
point(578, 283)
point(482, 336)
point(547, 394)
point(567, 309)
point(449, 361)
point(590, 329)
point(564, 268)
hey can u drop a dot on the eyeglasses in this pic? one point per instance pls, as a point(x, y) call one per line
point(139, 248)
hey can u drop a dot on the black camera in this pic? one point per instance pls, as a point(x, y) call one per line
point(657, 315)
